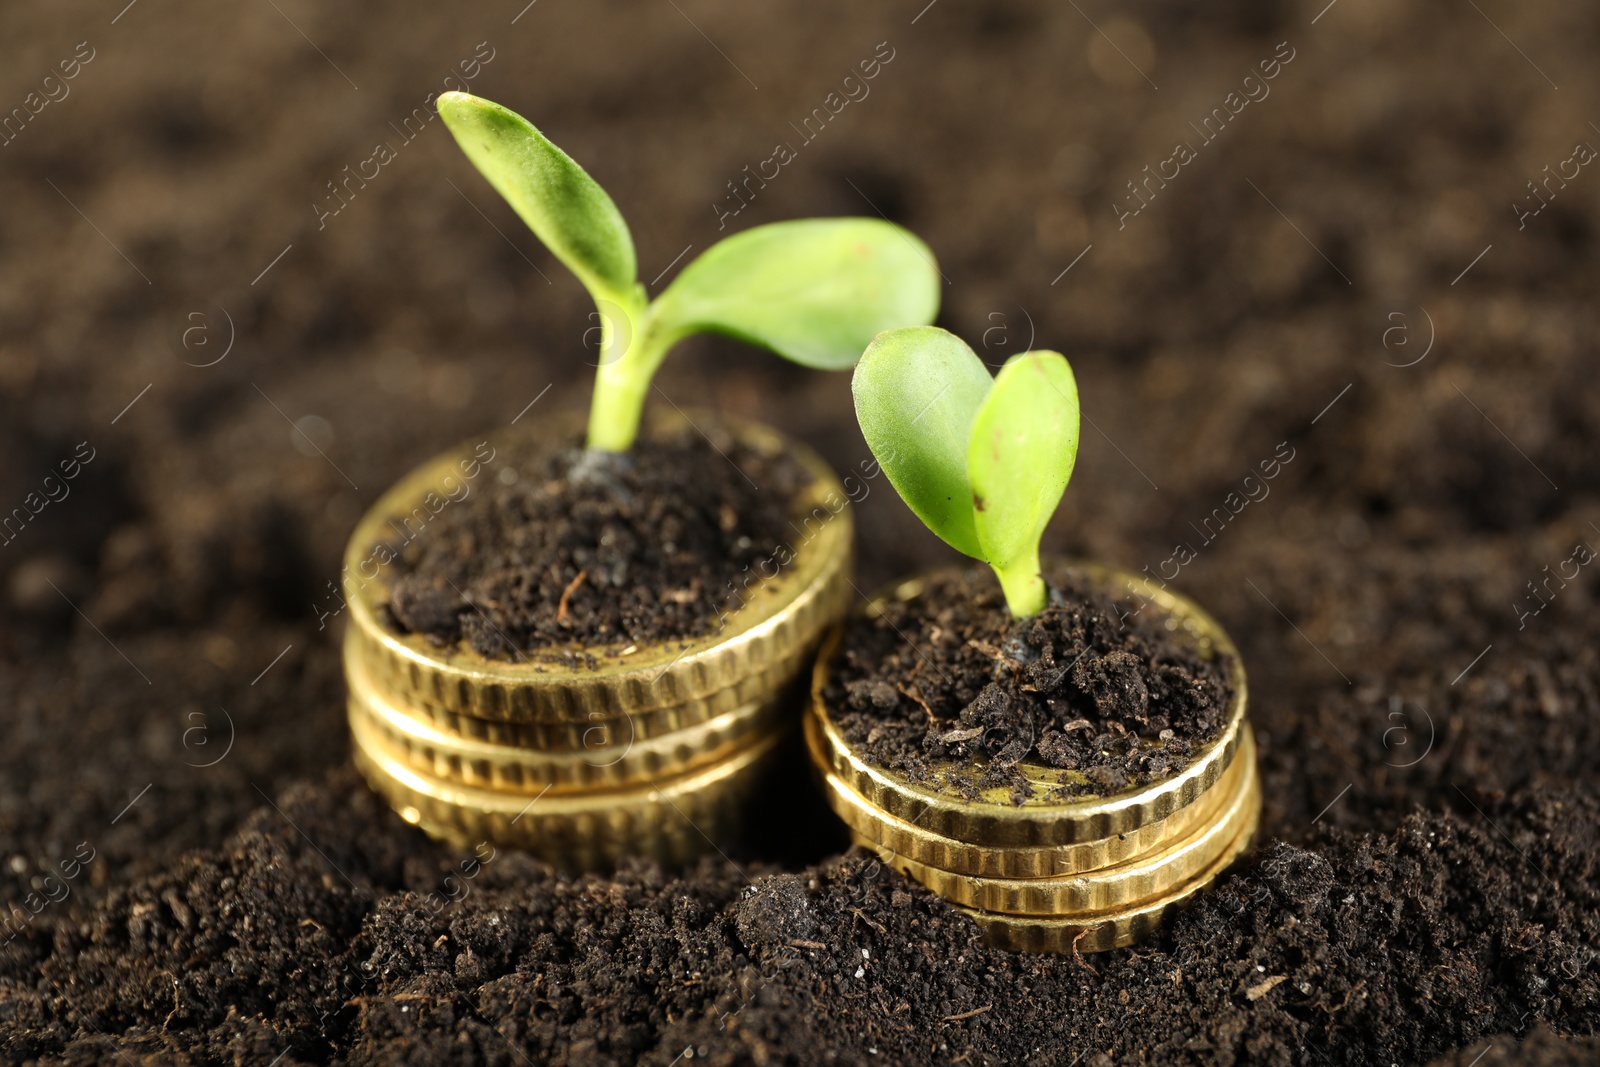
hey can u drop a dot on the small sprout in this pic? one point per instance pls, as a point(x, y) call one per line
point(812, 290)
point(983, 461)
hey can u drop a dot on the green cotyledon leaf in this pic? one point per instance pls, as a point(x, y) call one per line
point(815, 291)
point(917, 391)
point(562, 205)
point(1023, 445)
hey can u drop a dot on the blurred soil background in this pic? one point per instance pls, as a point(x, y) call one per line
point(1340, 274)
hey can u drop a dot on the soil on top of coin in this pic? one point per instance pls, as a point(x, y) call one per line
point(1098, 689)
point(599, 549)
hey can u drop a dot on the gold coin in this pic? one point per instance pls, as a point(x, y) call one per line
point(545, 737)
point(773, 624)
point(615, 760)
point(532, 736)
point(877, 828)
point(1146, 877)
point(1114, 929)
point(992, 819)
point(673, 821)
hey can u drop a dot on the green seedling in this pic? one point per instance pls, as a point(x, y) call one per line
point(812, 290)
point(983, 461)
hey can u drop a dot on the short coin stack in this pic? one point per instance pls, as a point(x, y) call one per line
point(592, 756)
point(1084, 874)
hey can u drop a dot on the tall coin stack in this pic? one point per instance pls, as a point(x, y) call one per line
point(1056, 876)
point(587, 758)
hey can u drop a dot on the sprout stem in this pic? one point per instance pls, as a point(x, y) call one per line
point(1023, 585)
point(631, 350)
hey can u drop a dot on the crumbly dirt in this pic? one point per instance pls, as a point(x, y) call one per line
point(1094, 685)
point(597, 550)
point(1444, 932)
point(1425, 693)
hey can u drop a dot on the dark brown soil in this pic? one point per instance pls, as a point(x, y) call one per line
point(1541, 1046)
point(1440, 933)
point(1427, 876)
point(597, 549)
point(1093, 685)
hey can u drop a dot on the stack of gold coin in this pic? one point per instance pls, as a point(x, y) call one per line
point(1049, 875)
point(587, 755)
